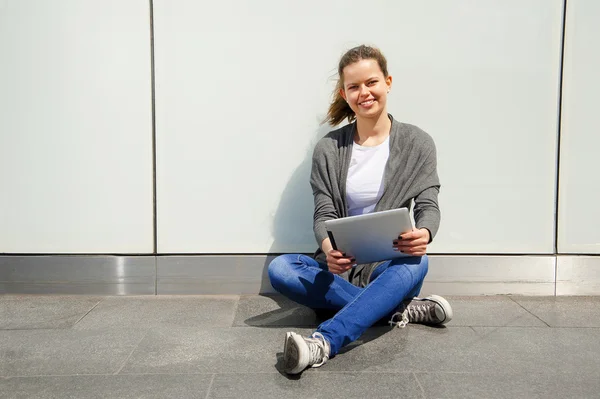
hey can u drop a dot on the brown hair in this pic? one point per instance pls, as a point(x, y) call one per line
point(339, 108)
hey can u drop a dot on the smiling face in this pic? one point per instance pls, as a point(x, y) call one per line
point(365, 88)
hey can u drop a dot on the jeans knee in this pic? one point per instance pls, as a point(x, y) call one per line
point(278, 269)
point(416, 266)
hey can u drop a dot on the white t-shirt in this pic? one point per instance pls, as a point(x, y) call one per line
point(364, 185)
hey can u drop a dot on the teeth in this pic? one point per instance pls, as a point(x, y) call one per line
point(367, 102)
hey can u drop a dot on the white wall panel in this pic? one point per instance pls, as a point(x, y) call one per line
point(483, 79)
point(241, 87)
point(579, 187)
point(75, 127)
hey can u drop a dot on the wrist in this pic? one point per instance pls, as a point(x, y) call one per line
point(427, 233)
point(326, 246)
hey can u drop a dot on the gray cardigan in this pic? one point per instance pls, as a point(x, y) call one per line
point(410, 173)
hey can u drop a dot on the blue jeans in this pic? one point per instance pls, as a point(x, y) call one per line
point(305, 281)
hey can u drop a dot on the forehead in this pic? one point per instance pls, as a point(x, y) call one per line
point(361, 70)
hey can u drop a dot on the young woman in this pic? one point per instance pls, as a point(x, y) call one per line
point(375, 163)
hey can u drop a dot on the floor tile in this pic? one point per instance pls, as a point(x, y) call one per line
point(465, 349)
point(36, 312)
point(515, 385)
point(564, 311)
point(65, 352)
point(191, 350)
point(109, 386)
point(273, 311)
point(161, 311)
point(412, 348)
point(260, 349)
point(315, 384)
point(544, 350)
point(171, 346)
point(490, 311)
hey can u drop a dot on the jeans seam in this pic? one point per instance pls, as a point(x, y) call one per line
point(345, 307)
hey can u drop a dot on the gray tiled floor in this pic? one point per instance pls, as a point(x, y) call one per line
point(230, 347)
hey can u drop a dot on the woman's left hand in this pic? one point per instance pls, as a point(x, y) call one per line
point(413, 243)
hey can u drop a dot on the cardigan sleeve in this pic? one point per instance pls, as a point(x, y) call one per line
point(426, 210)
point(320, 182)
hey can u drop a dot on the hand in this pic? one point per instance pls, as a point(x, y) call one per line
point(338, 263)
point(413, 242)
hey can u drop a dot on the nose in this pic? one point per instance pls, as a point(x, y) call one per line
point(364, 90)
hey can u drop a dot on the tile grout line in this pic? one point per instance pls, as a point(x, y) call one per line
point(528, 311)
point(419, 384)
point(235, 309)
point(88, 312)
point(130, 354)
point(55, 375)
point(210, 386)
point(555, 274)
point(275, 373)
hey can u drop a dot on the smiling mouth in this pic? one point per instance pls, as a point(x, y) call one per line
point(367, 103)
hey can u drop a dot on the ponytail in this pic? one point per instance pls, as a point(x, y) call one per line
point(339, 108)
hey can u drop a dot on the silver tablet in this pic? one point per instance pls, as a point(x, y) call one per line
point(369, 237)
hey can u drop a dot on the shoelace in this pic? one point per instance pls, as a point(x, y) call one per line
point(418, 312)
point(317, 350)
point(402, 323)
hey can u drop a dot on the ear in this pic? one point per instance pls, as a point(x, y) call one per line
point(343, 94)
point(388, 82)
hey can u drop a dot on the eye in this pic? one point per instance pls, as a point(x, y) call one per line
point(371, 83)
point(351, 87)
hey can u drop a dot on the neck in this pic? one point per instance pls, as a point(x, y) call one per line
point(373, 131)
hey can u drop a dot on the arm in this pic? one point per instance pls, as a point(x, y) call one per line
point(427, 211)
point(325, 210)
point(322, 193)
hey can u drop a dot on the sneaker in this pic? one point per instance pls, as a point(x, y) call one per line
point(300, 352)
point(432, 310)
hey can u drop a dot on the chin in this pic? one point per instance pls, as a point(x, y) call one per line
point(371, 114)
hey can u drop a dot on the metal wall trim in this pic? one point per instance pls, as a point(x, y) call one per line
point(247, 274)
point(80, 275)
point(448, 275)
point(578, 275)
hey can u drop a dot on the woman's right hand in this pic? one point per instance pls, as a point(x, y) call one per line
point(338, 263)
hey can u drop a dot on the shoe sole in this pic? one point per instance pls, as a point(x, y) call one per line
point(295, 353)
point(444, 304)
point(285, 347)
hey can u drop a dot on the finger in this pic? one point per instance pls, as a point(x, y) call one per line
point(335, 253)
point(414, 234)
point(408, 235)
point(342, 256)
point(413, 243)
point(341, 261)
point(408, 240)
point(416, 250)
point(335, 269)
point(410, 249)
